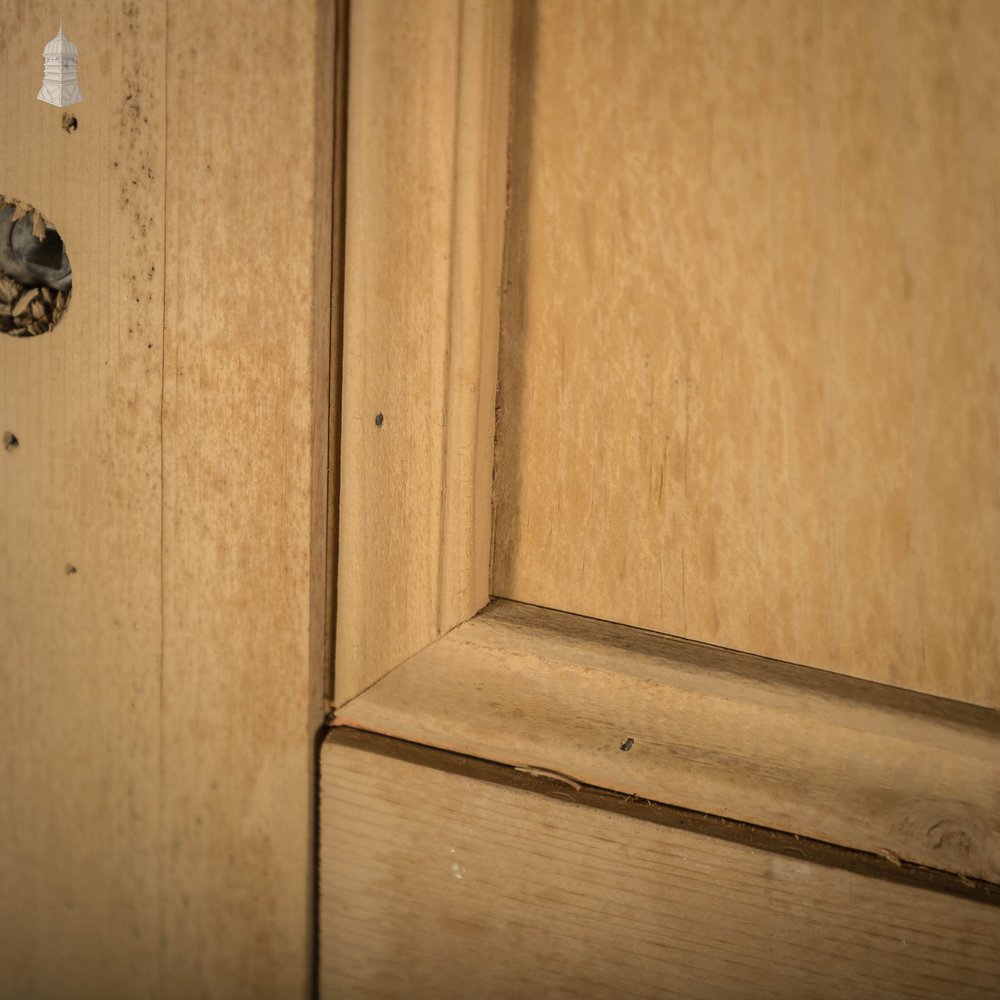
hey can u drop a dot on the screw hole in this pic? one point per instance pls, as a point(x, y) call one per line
point(70, 569)
point(10, 441)
point(69, 122)
point(378, 419)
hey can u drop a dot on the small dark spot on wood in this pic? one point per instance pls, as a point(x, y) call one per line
point(628, 744)
point(69, 122)
point(10, 441)
point(70, 569)
point(379, 419)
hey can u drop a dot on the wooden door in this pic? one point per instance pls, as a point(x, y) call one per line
point(163, 502)
point(669, 472)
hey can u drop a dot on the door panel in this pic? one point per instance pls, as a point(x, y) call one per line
point(444, 877)
point(750, 347)
point(747, 320)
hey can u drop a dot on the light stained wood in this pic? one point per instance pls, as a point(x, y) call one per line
point(245, 411)
point(902, 775)
point(750, 353)
point(426, 174)
point(438, 884)
point(159, 704)
point(80, 651)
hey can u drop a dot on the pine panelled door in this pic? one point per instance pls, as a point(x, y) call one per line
point(667, 635)
point(499, 499)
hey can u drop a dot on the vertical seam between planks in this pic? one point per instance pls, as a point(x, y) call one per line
point(335, 396)
point(337, 81)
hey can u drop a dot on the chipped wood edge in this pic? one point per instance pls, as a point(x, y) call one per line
point(905, 776)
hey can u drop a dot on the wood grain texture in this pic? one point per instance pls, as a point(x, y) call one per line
point(245, 411)
point(427, 128)
point(440, 884)
point(159, 704)
point(862, 765)
point(80, 651)
point(750, 357)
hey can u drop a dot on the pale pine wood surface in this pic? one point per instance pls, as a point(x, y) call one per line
point(159, 705)
point(845, 761)
point(439, 884)
point(750, 351)
point(426, 171)
point(80, 652)
point(247, 345)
